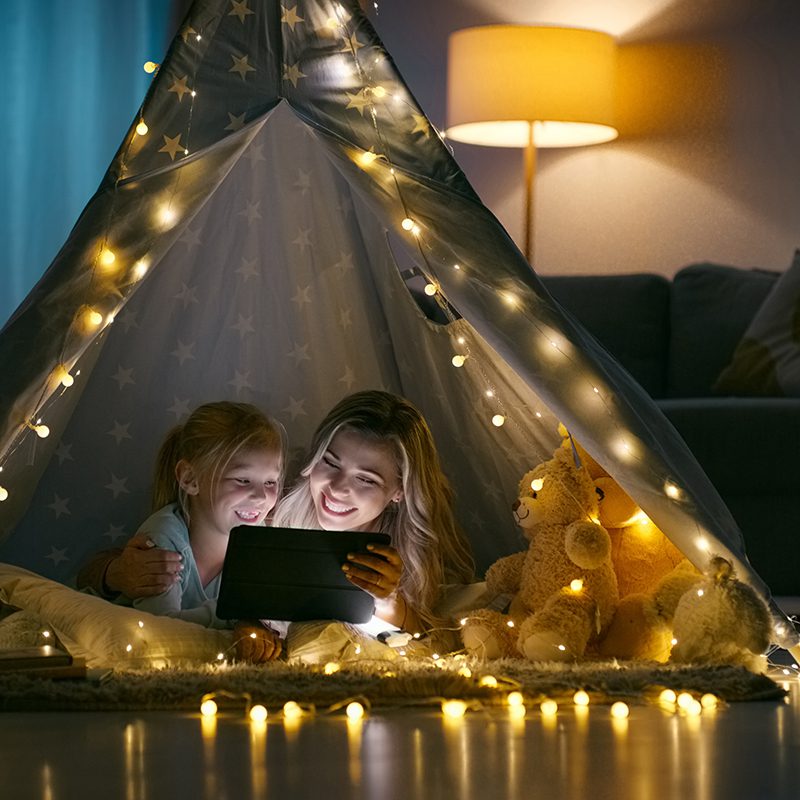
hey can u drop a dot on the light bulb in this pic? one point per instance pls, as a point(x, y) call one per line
point(258, 713)
point(515, 699)
point(536, 484)
point(580, 698)
point(3, 493)
point(42, 431)
point(63, 376)
point(378, 91)
point(107, 257)
point(292, 710)
point(150, 67)
point(549, 708)
point(208, 708)
point(458, 360)
point(140, 269)
point(709, 700)
point(454, 709)
point(407, 224)
point(576, 585)
point(668, 696)
point(354, 710)
point(498, 420)
point(685, 700)
point(488, 680)
point(142, 128)
point(366, 158)
point(331, 667)
point(430, 289)
point(620, 710)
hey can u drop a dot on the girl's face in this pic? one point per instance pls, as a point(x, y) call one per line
point(353, 482)
point(245, 493)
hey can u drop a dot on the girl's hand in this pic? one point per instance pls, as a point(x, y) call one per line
point(255, 643)
point(377, 572)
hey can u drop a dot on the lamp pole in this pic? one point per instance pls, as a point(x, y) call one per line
point(530, 170)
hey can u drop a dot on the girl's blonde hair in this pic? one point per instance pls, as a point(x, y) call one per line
point(212, 435)
point(421, 525)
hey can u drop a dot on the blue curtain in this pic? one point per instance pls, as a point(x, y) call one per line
point(73, 80)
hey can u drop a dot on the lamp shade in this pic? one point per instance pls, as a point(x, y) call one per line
point(503, 78)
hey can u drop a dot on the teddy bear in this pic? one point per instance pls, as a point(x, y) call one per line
point(652, 573)
point(563, 587)
point(721, 620)
point(668, 610)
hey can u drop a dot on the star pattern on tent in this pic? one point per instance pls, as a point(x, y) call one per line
point(476, 520)
point(349, 378)
point(296, 408)
point(299, 353)
point(120, 432)
point(187, 295)
point(187, 31)
point(171, 145)
point(291, 73)
point(235, 123)
point(255, 153)
point(114, 532)
point(244, 325)
point(117, 486)
point(345, 205)
point(421, 125)
point(351, 45)
point(344, 318)
point(248, 268)
point(241, 380)
point(303, 182)
point(240, 9)
point(123, 376)
point(57, 555)
point(251, 212)
point(179, 87)
point(302, 296)
point(303, 239)
point(344, 264)
point(241, 65)
point(128, 319)
point(289, 17)
point(183, 352)
point(191, 238)
point(62, 452)
point(59, 506)
point(179, 408)
point(358, 101)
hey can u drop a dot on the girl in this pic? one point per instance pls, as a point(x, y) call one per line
point(374, 467)
point(223, 467)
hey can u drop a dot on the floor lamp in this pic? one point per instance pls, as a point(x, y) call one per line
point(530, 86)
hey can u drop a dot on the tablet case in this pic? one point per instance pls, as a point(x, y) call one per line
point(293, 574)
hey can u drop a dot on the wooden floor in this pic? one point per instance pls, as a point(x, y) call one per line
point(745, 750)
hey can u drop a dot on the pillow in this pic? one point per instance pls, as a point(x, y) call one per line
point(767, 359)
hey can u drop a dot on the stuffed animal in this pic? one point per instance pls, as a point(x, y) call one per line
point(563, 586)
point(721, 620)
point(652, 574)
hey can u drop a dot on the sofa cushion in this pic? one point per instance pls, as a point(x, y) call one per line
point(627, 314)
point(766, 361)
point(711, 307)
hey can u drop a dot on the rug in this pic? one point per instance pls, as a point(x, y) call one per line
point(378, 685)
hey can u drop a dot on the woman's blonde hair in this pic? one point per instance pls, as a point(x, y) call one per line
point(421, 525)
point(212, 435)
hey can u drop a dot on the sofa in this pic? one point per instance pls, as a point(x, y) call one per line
point(676, 337)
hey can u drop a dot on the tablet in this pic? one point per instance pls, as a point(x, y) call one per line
point(293, 574)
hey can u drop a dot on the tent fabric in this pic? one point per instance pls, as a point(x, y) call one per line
point(260, 255)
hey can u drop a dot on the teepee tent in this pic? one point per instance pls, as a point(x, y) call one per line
point(262, 234)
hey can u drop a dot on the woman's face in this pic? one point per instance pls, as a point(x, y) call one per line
point(354, 481)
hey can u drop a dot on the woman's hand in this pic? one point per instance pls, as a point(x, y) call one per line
point(255, 643)
point(377, 572)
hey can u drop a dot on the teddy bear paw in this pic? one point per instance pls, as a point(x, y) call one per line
point(545, 646)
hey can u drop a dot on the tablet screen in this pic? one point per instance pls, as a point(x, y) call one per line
point(293, 574)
